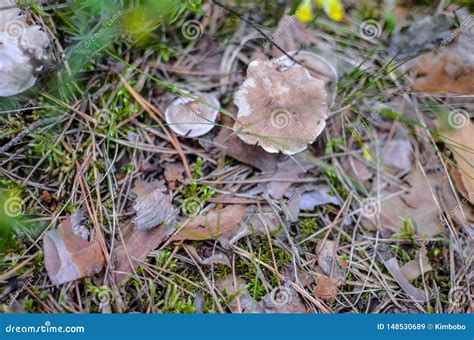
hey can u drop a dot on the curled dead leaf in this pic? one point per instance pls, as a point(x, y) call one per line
point(329, 262)
point(412, 291)
point(326, 288)
point(68, 256)
point(449, 69)
point(152, 205)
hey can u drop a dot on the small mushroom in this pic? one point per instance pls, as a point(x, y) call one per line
point(282, 107)
point(190, 117)
point(23, 50)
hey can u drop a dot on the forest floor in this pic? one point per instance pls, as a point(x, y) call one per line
point(107, 208)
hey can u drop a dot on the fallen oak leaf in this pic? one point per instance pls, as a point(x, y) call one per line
point(212, 224)
point(419, 204)
point(68, 256)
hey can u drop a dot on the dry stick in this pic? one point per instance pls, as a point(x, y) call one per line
point(234, 281)
point(59, 139)
point(269, 239)
point(86, 192)
point(12, 271)
point(266, 36)
point(211, 289)
point(299, 289)
point(27, 131)
point(40, 301)
point(153, 112)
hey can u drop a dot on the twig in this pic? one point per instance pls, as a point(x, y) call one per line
point(27, 131)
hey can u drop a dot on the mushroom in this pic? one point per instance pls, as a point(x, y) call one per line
point(23, 50)
point(318, 67)
point(282, 107)
point(192, 117)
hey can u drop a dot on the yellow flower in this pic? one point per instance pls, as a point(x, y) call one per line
point(333, 9)
point(305, 11)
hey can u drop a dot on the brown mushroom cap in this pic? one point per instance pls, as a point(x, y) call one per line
point(190, 117)
point(281, 108)
point(318, 67)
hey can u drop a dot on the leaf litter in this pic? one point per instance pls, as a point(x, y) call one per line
point(323, 212)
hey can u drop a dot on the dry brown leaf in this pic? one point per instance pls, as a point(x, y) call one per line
point(418, 204)
point(136, 246)
point(173, 172)
point(256, 221)
point(152, 205)
point(397, 154)
point(414, 268)
point(330, 262)
point(461, 143)
point(326, 288)
point(212, 224)
point(394, 270)
point(356, 169)
point(290, 170)
point(254, 155)
point(449, 69)
point(291, 35)
point(69, 257)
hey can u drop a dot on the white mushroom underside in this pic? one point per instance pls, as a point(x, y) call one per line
point(192, 118)
point(21, 44)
